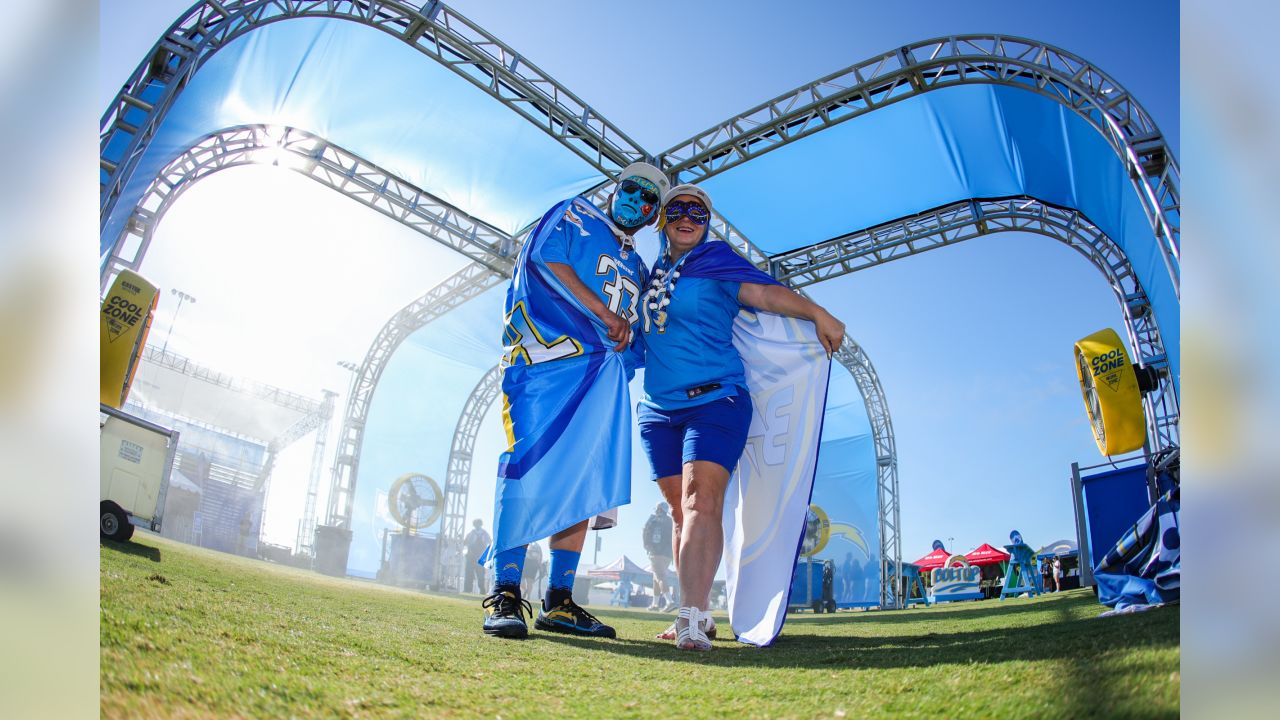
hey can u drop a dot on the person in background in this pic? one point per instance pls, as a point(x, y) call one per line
point(476, 542)
point(622, 594)
point(697, 410)
point(850, 580)
point(533, 569)
point(1057, 574)
point(657, 543)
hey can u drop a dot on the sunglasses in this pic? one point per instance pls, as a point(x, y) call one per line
point(691, 209)
point(630, 186)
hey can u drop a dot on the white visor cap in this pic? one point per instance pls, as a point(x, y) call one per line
point(693, 190)
point(648, 172)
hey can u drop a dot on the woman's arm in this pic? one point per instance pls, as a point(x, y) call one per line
point(785, 301)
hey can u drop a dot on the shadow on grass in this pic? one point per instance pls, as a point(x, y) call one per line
point(1060, 636)
point(131, 548)
point(984, 609)
point(1092, 661)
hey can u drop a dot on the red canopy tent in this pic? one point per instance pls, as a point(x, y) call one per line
point(987, 555)
point(935, 559)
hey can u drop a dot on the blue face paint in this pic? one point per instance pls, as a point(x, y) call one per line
point(631, 209)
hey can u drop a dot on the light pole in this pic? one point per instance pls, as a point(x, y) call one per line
point(182, 297)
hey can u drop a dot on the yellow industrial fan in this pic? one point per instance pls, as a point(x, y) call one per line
point(1112, 395)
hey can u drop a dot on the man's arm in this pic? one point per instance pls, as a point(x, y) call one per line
point(785, 301)
point(619, 328)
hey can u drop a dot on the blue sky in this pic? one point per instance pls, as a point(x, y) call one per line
point(972, 343)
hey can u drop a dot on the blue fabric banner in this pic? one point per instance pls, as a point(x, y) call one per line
point(579, 461)
point(1145, 566)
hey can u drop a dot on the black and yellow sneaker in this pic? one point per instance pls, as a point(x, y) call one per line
point(504, 613)
point(567, 617)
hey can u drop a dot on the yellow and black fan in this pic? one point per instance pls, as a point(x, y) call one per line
point(415, 501)
point(1112, 393)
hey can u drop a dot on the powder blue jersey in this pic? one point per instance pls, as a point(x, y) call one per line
point(544, 322)
point(695, 349)
point(566, 403)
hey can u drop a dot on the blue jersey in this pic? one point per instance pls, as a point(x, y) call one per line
point(544, 321)
point(695, 348)
point(566, 404)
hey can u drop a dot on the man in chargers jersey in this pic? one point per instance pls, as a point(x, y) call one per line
point(571, 308)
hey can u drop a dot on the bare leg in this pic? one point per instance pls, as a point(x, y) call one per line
point(702, 530)
point(571, 539)
point(672, 492)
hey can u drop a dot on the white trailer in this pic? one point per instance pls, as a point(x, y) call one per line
point(137, 460)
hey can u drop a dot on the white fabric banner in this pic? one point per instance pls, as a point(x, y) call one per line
point(768, 496)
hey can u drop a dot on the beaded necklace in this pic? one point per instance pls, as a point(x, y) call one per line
point(662, 289)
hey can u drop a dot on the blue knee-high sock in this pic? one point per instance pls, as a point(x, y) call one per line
point(508, 566)
point(564, 568)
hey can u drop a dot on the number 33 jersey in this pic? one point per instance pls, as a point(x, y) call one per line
point(544, 321)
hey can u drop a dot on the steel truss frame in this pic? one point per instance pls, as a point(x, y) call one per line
point(305, 542)
point(323, 162)
point(458, 479)
point(466, 284)
point(947, 62)
point(433, 28)
point(490, 250)
point(961, 221)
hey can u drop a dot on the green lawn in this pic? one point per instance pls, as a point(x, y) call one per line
point(187, 632)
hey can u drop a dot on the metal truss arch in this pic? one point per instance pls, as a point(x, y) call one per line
point(855, 360)
point(434, 29)
point(466, 284)
point(457, 489)
point(962, 221)
point(490, 249)
point(947, 62)
point(323, 162)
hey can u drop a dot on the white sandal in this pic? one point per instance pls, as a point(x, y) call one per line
point(708, 627)
point(689, 632)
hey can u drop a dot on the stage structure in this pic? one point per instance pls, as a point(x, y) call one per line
point(234, 429)
point(1103, 181)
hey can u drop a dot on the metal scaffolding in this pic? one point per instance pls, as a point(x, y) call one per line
point(433, 28)
point(938, 63)
point(962, 221)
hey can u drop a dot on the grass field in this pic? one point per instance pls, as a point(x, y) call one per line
point(187, 632)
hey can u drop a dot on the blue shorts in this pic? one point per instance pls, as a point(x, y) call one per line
point(715, 431)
